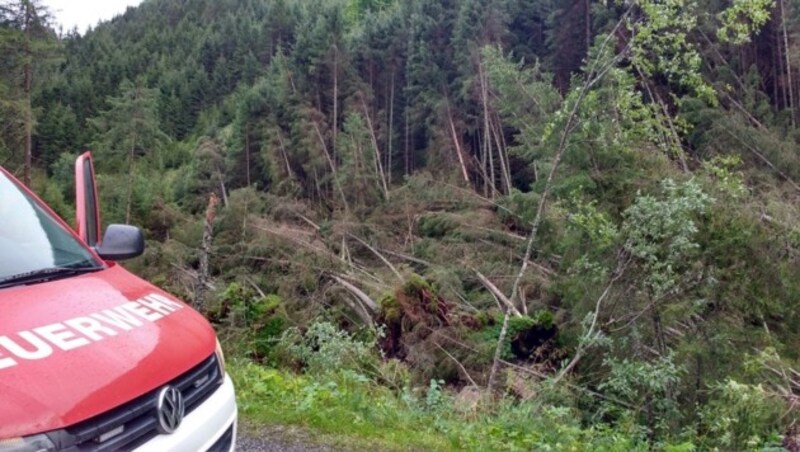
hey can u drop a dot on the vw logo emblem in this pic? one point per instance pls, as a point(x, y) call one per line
point(170, 409)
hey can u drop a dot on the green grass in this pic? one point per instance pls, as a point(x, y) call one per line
point(348, 409)
point(346, 412)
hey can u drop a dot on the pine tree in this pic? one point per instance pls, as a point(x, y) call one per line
point(26, 41)
point(130, 128)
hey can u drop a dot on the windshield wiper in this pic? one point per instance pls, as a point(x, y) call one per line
point(46, 274)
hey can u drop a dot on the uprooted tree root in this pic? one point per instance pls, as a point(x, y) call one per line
point(411, 314)
point(441, 341)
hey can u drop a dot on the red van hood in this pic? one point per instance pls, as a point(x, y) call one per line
point(74, 348)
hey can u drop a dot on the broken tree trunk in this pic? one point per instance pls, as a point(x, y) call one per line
point(208, 235)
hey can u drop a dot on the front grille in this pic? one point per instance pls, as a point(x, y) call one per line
point(224, 443)
point(134, 423)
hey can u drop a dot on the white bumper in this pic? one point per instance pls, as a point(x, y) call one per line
point(203, 427)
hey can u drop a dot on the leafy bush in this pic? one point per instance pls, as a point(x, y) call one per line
point(325, 349)
point(259, 321)
point(525, 334)
point(648, 389)
point(741, 415)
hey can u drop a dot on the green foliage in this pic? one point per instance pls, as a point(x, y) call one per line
point(668, 246)
point(129, 127)
point(518, 208)
point(359, 174)
point(346, 404)
point(743, 19)
point(435, 398)
point(261, 320)
point(52, 194)
point(525, 334)
point(417, 284)
point(436, 226)
point(724, 170)
point(391, 311)
point(529, 100)
point(324, 349)
point(31, 51)
point(661, 44)
point(246, 307)
point(601, 232)
point(741, 415)
point(660, 234)
point(649, 390)
point(58, 129)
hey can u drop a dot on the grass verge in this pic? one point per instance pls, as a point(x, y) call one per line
point(351, 411)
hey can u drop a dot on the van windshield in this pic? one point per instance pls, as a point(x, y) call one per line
point(32, 241)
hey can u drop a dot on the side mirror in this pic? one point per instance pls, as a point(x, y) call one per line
point(121, 242)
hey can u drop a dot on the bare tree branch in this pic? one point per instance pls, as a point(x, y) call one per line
point(622, 263)
point(498, 293)
point(380, 256)
point(363, 297)
point(764, 159)
point(460, 366)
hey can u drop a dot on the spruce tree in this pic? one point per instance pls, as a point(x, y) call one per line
point(25, 41)
point(129, 129)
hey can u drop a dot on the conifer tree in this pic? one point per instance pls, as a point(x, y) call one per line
point(129, 129)
point(26, 41)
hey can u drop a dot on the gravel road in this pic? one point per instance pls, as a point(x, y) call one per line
point(276, 439)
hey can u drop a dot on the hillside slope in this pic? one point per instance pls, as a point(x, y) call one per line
point(592, 202)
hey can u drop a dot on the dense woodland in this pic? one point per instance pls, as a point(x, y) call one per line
point(572, 203)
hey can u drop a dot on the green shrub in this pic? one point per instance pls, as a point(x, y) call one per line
point(649, 391)
point(436, 226)
point(259, 321)
point(325, 349)
point(741, 416)
point(524, 334)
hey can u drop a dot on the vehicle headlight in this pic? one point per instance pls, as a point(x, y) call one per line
point(37, 443)
point(220, 360)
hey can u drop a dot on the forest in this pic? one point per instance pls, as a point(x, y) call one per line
point(517, 224)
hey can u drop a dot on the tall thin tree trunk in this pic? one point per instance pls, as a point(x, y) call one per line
point(498, 353)
point(390, 138)
point(484, 171)
point(457, 144)
point(318, 186)
point(790, 81)
point(223, 190)
point(781, 72)
point(587, 19)
point(247, 151)
point(492, 172)
point(487, 129)
point(335, 125)
point(208, 235)
point(131, 156)
point(406, 150)
point(332, 164)
point(378, 159)
point(776, 69)
point(497, 131)
point(360, 172)
point(26, 178)
point(658, 328)
point(289, 172)
point(28, 84)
